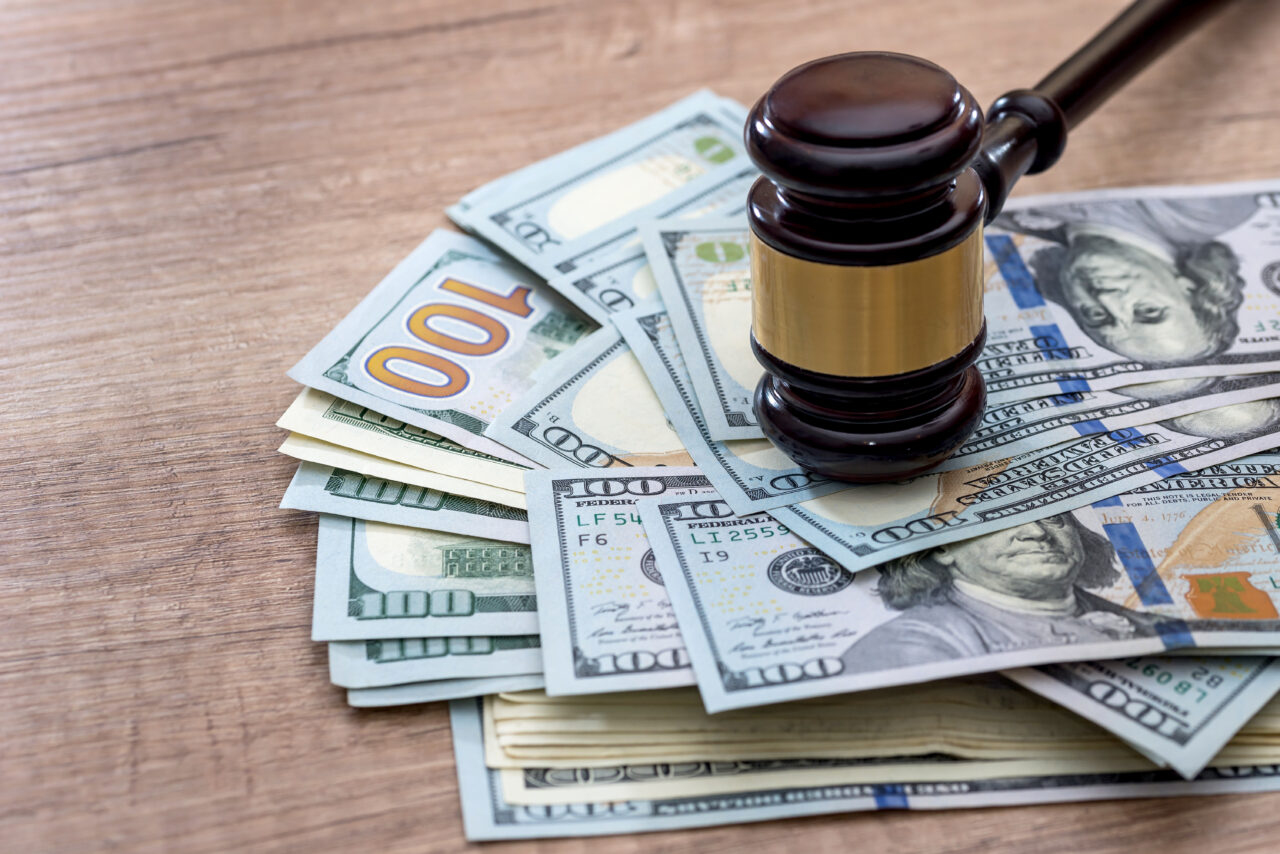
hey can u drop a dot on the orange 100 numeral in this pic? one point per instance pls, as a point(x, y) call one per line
point(455, 376)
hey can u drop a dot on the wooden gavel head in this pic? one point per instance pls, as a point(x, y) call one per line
point(867, 266)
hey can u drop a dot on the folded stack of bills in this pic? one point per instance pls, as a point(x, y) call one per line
point(544, 496)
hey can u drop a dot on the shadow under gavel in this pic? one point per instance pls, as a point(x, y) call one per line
point(866, 238)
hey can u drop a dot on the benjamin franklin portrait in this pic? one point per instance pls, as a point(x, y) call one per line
point(1016, 589)
point(1147, 280)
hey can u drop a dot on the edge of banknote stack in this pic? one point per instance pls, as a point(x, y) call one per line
point(543, 496)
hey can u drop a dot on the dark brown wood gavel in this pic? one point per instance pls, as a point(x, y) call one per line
point(867, 252)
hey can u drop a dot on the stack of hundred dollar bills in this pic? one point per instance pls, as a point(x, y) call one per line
point(544, 496)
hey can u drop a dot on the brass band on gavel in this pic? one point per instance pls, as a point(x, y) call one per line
point(867, 321)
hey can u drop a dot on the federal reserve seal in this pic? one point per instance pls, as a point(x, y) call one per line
point(649, 566)
point(1271, 277)
point(808, 572)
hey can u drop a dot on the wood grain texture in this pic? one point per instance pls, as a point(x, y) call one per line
point(193, 193)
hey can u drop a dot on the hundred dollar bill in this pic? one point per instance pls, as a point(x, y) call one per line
point(703, 271)
point(340, 422)
point(378, 581)
point(487, 815)
point(592, 408)
point(321, 453)
point(323, 489)
point(1024, 330)
point(753, 474)
point(715, 272)
point(766, 617)
point(622, 278)
point(749, 474)
point(867, 525)
point(1029, 425)
point(605, 621)
point(546, 170)
point(1181, 711)
point(572, 208)
point(445, 341)
point(441, 689)
point(1108, 288)
point(379, 663)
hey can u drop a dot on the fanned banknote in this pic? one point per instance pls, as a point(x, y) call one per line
point(560, 165)
point(574, 208)
point(1106, 288)
point(766, 617)
point(320, 453)
point(441, 689)
point(340, 422)
point(378, 581)
point(445, 341)
point(487, 815)
point(622, 278)
point(1018, 428)
point(753, 474)
point(324, 489)
point(1179, 711)
point(703, 271)
point(592, 408)
point(867, 525)
point(603, 613)
point(379, 663)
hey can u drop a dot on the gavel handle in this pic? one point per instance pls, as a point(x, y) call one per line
point(1026, 129)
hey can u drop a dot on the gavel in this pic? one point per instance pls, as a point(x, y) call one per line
point(879, 174)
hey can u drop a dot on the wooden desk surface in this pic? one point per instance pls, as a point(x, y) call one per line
point(193, 193)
